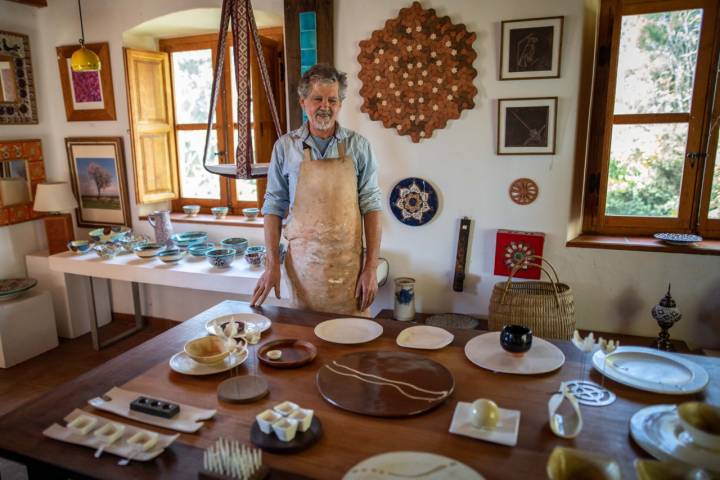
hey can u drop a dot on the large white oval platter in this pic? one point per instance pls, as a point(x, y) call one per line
point(652, 370)
point(485, 351)
point(427, 466)
point(424, 337)
point(182, 363)
point(348, 330)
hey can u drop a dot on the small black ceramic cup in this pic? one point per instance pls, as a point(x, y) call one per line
point(516, 339)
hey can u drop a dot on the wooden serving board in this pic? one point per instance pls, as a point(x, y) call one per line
point(295, 353)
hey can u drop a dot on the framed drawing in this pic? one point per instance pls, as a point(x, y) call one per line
point(17, 88)
point(88, 95)
point(530, 48)
point(97, 175)
point(526, 126)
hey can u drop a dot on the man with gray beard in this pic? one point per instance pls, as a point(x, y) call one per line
point(323, 178)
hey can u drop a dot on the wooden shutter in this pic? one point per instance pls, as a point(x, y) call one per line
point(151, 125)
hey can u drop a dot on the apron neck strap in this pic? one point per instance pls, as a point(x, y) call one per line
point(341, 149)
point(307, 156)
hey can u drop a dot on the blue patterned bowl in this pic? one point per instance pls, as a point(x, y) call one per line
point(219, 212)
point(148, 250)
point(220, 257)
point(255, 259)
point(172, 255)
point(238, 243)
point(251, 213)
point(79, 246)
point(187, 239)
point(107, 251)
point(255, 249)
point(191, 210)
point(108, 234)
point(200, 249)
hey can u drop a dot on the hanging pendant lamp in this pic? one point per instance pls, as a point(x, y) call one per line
point(84, 59)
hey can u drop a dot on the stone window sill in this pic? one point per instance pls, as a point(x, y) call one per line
point(207, 219)
point(643, 244)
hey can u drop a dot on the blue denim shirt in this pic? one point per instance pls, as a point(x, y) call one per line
point(285, 168)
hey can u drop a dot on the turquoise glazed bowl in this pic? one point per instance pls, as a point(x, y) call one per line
point(219, 212)
point(148, 250)
point(191, 210)
point(255, 249)
point(238, 243)
point(79, 246)
point(200, 249)
point(187, 239)
point(172, 255)
point(108, 234)
point(220, 257)
point(251, 213)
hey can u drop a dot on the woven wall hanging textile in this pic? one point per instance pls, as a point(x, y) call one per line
point(417, 72)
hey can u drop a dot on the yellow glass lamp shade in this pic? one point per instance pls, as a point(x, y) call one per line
point(84, 60)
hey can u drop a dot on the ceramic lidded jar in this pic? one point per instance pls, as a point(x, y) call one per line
point(404, 299)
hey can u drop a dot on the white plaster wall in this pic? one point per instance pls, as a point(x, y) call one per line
point(614, 290)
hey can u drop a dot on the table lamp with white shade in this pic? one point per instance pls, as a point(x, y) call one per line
point(55, 198)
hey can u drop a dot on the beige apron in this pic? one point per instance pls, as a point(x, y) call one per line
point(324, 236)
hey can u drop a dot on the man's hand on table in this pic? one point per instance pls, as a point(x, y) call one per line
point(270, 279)
point(367, 287)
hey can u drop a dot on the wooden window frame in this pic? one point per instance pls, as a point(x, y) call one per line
point(697, 175)
point(224, 125)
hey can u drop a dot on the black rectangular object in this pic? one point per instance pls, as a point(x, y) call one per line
point(152, 406)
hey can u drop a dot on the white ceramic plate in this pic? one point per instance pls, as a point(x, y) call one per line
point(425, 337)
point(181, 363)
point(427, 466)
point(657, 429)
point(348, 330)
point(485, 351)
point(259, 320)
point(652, 370)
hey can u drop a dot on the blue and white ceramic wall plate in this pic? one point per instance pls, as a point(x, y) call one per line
point(14, 287)
point(678, 238)
point(414, 201)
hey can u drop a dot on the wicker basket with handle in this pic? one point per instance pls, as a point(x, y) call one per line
point(547, 308)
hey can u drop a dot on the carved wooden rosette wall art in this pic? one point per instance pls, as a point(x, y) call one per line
point(417, 72)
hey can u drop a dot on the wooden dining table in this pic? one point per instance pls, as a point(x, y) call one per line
point(348, 438)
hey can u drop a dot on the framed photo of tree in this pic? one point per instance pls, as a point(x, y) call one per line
point(530, 48)
point(526, 126)
point(98, 178)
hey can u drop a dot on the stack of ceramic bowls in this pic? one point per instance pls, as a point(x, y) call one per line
point(238, 243)
point(221, 257)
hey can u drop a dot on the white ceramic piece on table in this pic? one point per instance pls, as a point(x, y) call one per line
point(485, 413)
point(504, 433)
point(182, 363)
point(251, 333)
point(274, 354)
point(485, 351)
point(143, 440)
point(658, 431)
point(608, 346)
point(260, 320)
point(304, 418)
point(82, 424)
point(652, 370)
point(424, 337)
point(564, 425)
point(423, 465)
point(348, 330)
point(266, 419)
point(286, 408)
point(285, 429)
point(109, 432)
point(702, 422)
point(583, 344)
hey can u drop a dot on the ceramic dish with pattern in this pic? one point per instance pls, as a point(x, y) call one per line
point(425, 337)
point(186, 239)
point(171, 256)
point(182, 363)
point(427, 466)
point(658, 431)
point(651, 370)
point(148, 250)
point(221, 257)
point(485, 351)
point(680, 239)
point(348, 330)
point(261, 321)
point(108, 234)
point(238, 243)
point(200, 249)
point(14, 287)
point(413, 201)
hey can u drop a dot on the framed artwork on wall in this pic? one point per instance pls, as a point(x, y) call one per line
point(22, 168)
point(97, 175)
point(17, 87)
point(530, 48)
point(526, 126)
point(88, 96)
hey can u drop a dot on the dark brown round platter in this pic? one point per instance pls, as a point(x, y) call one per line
point(385, 384)
point(270, 443)
point(295, 353)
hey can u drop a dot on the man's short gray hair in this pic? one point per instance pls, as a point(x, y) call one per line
point(322, 73)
